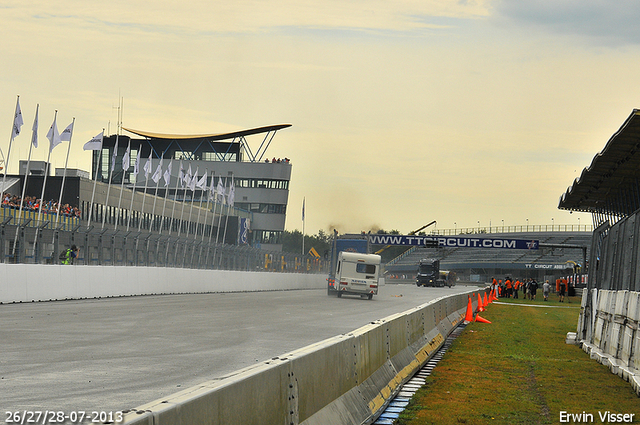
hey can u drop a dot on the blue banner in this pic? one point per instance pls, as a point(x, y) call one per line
point(453, 241)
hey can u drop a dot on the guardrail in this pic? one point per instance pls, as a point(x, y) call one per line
point(345, 379)
point(25, 244)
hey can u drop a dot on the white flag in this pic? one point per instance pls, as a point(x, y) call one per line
point(158, 174)
point(65, 136)
point(181, 175)
point(34, 135)
point(147, 167)
point(193, 181)
point(17, 121)
point(53, 136)
point(167, 175)
point(187, 177)
point(231, 198)
point(94, 144)
point(126, 158)
point(221, 190)
point(212, 189)
point(202, 183)
point(136, 165)
point(113, 157)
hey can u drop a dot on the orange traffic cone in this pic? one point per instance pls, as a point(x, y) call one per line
point(485, 302)
point(495, 298)
point(481, 320)
point(480, 307)
point(468, 317)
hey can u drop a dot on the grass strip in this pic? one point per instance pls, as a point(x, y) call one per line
point(519, 370)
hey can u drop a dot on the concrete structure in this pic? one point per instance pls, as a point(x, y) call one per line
point(261, 185)
point(609, 190)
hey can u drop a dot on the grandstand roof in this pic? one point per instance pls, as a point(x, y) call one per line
point(610, 184)
point(210, 136)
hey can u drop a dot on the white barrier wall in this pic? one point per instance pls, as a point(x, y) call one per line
point(347, 379)
point(614, 339)
point(33, 282)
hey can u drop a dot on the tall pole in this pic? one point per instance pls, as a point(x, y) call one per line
point(34, 142)
point(95, 180)
point(15, 130)
point(126, 163)
point(66, 163)
point(111, 169)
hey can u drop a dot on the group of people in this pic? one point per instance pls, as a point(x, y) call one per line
point(509, 288)
point(277, 161)
point(31, 203)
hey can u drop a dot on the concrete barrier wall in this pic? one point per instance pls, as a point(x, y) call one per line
point(345, 379)
point(614, 339)
point(33, 282)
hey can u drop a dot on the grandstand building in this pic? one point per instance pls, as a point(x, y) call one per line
point(558, 256)
point(261, 184)
point(115, 197)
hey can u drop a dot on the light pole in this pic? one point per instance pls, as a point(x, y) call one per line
point(552, 224)
point(527, 224)
point(502, 226)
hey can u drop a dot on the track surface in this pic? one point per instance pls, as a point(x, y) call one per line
point(119, 353)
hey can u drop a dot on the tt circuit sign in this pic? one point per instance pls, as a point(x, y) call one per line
point(453, 242)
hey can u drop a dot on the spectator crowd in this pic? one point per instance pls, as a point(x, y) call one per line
point(31, 203)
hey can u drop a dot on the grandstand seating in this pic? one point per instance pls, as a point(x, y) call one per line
point(499, 260)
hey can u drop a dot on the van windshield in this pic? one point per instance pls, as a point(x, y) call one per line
point(365, 268)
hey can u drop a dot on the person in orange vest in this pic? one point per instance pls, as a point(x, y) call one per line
point(508, 286)
point(515, 289)
point(500, 288)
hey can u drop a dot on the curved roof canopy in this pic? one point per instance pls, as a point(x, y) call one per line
point(610, 185)
point(212, 136)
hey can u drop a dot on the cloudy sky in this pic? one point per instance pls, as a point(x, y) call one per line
point(403, 112)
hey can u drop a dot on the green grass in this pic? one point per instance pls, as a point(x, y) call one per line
point(518, 370)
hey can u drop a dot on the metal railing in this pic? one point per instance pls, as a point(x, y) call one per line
point(526, 228)
point(38, 242)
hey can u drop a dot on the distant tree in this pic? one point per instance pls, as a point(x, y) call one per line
point(292, 242)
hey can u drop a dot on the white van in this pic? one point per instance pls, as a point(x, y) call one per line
point(357, 274)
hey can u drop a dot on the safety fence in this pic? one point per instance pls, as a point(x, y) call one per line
point(609, 332)
point(43, 245)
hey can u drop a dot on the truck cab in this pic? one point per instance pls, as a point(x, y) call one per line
point(429, 273)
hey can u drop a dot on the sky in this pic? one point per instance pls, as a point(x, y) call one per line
point(470, 113)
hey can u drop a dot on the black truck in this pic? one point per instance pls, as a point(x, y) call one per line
point(429, 274)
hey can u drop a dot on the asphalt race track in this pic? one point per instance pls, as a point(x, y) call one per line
point(119, 353)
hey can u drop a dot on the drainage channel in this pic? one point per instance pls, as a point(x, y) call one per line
point(408, 390)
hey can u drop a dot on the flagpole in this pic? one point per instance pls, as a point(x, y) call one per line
point(200, 207)
point(136, 171)
point(175, 199)
point(226, 221)
point(303, 202)
point(34, 139)
point(64, 174)
point(155, 197)
point(184, 197)
point(146, 183)
point(213, 218)
point(195, 235)
point(15, 130)
point(112, 168)
point(166, 194)
point(52, 144)
point(207, 207)
point(124, 171)
point(95, 180)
